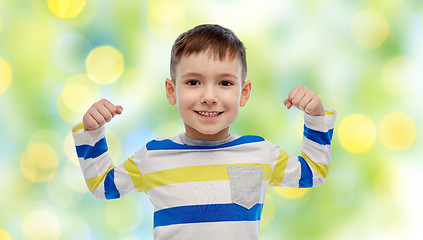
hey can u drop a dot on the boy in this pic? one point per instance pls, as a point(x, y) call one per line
point(206, 183)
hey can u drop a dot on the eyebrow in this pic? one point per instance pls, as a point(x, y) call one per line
point(194, 74)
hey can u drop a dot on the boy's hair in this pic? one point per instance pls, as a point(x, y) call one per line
point(216, 40)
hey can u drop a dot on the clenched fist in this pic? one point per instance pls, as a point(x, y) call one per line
point(99, 113)
point(305, 100)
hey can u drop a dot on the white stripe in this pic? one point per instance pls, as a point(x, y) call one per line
point(123, 181)
point(316, 152)
point(195, 193)
point(89, 137)
point(159, 160)
point(211, 231)
point(320, 123)
point(292, 172)
point(94, 167)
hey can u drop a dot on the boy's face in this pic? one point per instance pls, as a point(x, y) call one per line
point(208, 94)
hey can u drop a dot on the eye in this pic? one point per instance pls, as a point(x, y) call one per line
point(226, 83)
point(192, 82)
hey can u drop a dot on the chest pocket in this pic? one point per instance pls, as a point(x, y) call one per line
point(245, 183)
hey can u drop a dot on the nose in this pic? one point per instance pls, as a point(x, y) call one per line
point(209, 96)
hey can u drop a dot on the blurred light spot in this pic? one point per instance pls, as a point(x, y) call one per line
point(74, 227)
point(4, 235)
point(369, 29)
point(123, 215)
point(104, 65)
point(400, 75)
point(61, 194)
point(5, 75)
point(397, 131)
point(115, 147)
point(66, 8)
point(39, 162)
point(291, 193)
point(169, 129)
point(387, 186)
point(77, 96)
point(166, 19)
point(356, 133)
point(70, 151)
point(70, 50)
point(11, 178)
point(268, 213)
point(41, 224)
point(74, 178)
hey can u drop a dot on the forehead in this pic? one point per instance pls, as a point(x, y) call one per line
point(207, 64)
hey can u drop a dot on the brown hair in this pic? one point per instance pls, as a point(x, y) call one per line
point(218, 40)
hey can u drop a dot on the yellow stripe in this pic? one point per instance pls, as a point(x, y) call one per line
point(279, 169)
point(93, 182)
point(134, 172)
point(197, 174)
point(321, 169)
point(77, 128)
point(327, 113)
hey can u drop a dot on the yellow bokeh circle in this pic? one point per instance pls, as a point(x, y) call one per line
point(369, 29)
point(397, 131)
point(39, 162)
point(400, 75)
point(166, 19)
point(5, 75)
point(291, 193)
point(123, 215)
point(4, 235)
point(357, 133)
point(269, 212)
point(104, 64)
point(77, 96)
point(41, 224)
point(66, 8)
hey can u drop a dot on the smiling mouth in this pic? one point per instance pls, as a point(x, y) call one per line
point(208, 114)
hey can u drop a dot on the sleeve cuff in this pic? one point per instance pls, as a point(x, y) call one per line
point(82, 137)
point(321, 123)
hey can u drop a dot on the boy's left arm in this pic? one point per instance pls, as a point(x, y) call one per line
point(310, 168)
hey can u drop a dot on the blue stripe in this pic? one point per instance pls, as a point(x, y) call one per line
point(87, 151)
point(206, 213)
point(168, 144)
point(110, 189)
point(306, 180)
point(323, 138)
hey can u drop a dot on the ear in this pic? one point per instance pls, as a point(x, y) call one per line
point(245, 93)
point(170, 91)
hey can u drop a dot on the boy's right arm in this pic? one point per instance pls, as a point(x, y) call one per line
point(103, 179)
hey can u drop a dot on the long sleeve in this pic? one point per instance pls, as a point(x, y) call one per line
point(311, 166)
point(104, 180)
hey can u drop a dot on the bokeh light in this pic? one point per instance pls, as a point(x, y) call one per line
point(357, 133)
point(4, 235)
point(39, 162)
point(291, 193)
point(66, 8)
point(369, 29)
point(104, 64)
point(269, 211)
point(397, 131)
point(41, 224)
point(166, 18)
point(5, 75)
point(124, 215)
point(400, 75)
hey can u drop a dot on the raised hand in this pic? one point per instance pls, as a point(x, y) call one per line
point(306, 100)
point(99, 113)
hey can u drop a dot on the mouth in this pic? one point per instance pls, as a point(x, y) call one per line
point(208, 114)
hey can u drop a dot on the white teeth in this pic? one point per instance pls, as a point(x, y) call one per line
point(209, 114)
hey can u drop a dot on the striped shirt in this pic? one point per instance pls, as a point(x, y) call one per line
point(203, 189)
